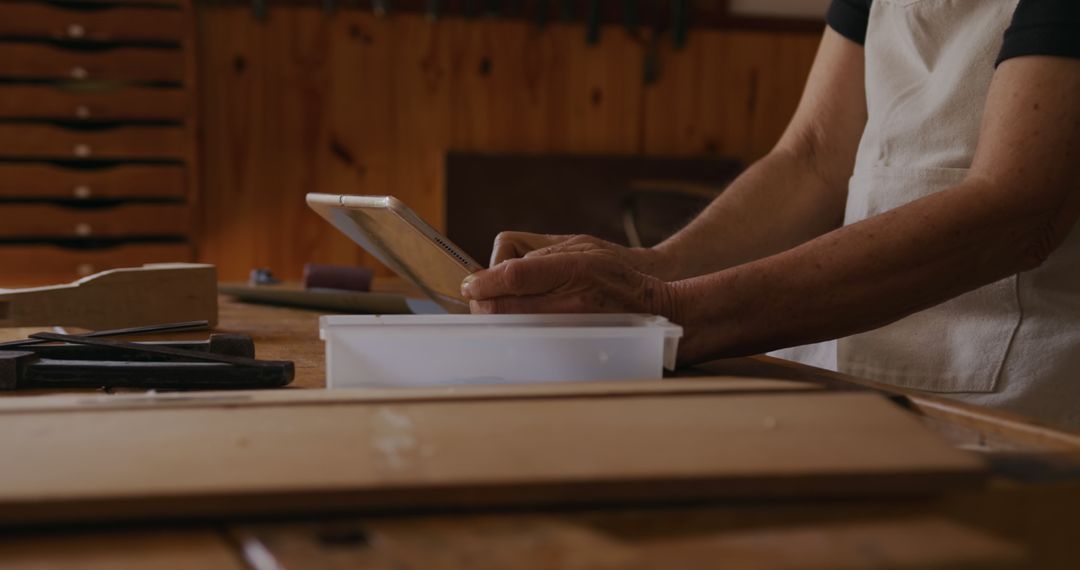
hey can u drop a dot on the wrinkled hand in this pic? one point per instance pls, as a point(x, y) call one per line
point(514, 245)
point(581, 280)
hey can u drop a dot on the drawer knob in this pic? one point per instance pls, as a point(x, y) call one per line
point(82, 191)
point(79, 73)
point(76, 31)
point(82, 150)
point(83, 229)
point(84, 269)
point(82, 112)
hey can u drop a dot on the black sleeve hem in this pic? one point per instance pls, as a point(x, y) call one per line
point(1061, 40)
point(849, 18)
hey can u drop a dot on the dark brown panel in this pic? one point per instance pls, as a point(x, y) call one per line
point(486, 194)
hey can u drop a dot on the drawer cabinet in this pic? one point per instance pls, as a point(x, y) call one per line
point(122, 103)
point(97, 136)
point(53, 222)
point(37, 61)
point(30, 20)
point(32, 182)
point(129, 142)
point(37, 264)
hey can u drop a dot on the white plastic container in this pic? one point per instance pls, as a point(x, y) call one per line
point(430, 350)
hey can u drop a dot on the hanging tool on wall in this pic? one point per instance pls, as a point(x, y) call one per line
point(592, 22)
point(680, 22)
point(631, 16)
point(380, 7)
point(433, 10)
point(543, 10)
point(258, 10)
point(567, 10)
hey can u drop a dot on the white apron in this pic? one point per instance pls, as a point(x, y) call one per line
point(1014, 343)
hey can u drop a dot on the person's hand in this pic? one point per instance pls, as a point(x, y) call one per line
point(585, 280)
point(514, 245)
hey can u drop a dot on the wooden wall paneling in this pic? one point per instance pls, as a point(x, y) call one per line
point(353, 103)
point(727, 93)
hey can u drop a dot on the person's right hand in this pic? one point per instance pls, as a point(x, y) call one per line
point(513, 245)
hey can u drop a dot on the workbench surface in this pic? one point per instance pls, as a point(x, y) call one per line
point(1024, 518)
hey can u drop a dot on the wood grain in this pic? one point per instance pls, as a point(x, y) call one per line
point(467, 454)
point(127, 142)
point(363, 105)
point(39, 181)
point(42, 61)
point(43, 21)
point(118, 104)
point(41, 264)
point(25, 221)
point(119, 298)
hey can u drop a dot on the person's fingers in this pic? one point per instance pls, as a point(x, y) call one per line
point(529, 304)
point(510, 245)
point(519, 277)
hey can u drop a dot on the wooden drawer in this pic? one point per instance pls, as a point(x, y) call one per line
point(33, 20)
point(43, 61)
point(124, 103)
point(131, 142)
point(48, 221)
point(49, 182)
point(28, 265)
point(175, 3)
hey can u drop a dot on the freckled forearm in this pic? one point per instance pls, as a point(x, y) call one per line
point(858, 277)
point(778, 203)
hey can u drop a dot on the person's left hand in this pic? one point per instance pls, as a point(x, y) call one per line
point(594, 281)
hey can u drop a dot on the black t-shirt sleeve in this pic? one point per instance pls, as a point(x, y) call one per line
point(1043, 27)
point(851, 17)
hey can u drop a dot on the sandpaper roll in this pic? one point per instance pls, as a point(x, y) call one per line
point(319, 276)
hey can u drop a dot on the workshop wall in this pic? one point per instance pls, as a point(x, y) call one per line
point(352, 103)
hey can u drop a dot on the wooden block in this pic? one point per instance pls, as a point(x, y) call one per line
point(87, 464)
point(118, 298)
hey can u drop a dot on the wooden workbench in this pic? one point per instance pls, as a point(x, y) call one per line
point(1025, 518)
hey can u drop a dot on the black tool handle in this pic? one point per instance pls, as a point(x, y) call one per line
point(154, 375)
point(178, 354)
point(168, 327)
point(226, 344)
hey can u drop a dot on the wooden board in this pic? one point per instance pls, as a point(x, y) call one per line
point(93, 465)
point(135, 549)
point(537, 542)
point(458, 393)
point(118, 298)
